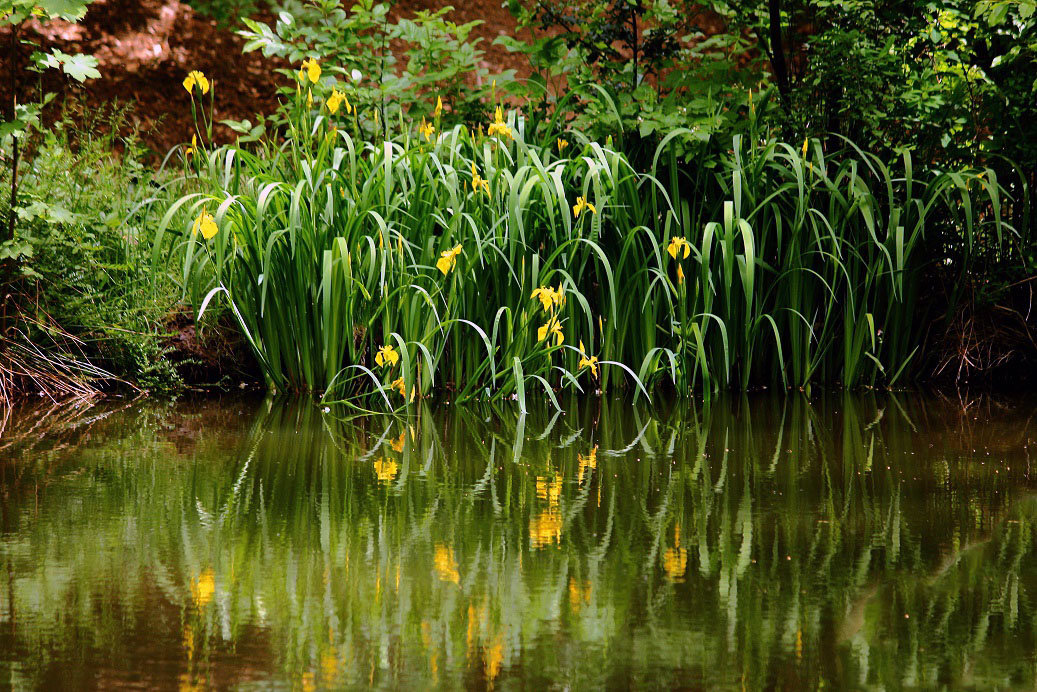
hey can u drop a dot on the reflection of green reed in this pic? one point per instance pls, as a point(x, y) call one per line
point(765, 542)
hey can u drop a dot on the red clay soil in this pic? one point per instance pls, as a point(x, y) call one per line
point(146, 47)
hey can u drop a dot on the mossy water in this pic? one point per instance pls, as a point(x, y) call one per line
point(761, 542)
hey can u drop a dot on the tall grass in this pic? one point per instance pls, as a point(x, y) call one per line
point(802, 265)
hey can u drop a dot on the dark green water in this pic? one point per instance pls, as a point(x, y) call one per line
point(864, 543)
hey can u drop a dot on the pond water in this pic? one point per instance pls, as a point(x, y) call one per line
point(762, 542)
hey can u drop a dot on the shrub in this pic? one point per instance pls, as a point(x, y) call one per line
point(85, 295)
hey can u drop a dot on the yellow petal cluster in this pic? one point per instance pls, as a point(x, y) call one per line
point(336, 100)
point(549, 297)
point(677, 246)
point(552, 328)
point(448, 259)
point(498, 127)
point(479, 182)
point(387, 355)
point(562, 144)
point(581, 204)
point(206, 224)
point(588, 362)
point(310, 69)
point(194, 79)
point(427, 129)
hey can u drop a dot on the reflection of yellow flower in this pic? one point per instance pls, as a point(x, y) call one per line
point(581, 204)
point(186, 683)
point(385, 469)
point(448, 259)
point(545, 529)
point(579, 593)
point(308, 683)
point(194, 79)
point(397, 444)
point(591, 362)
point(329, 665)
point(310, 68)
point(494, 657)
point(677, 245)
point(206, 224)
point(446, 567)
point(498, 126)
point(387, 355)
point(552, 328)
point(188, 637)
point(549, 491)
point(675, 559)
point(587, 461)
point(203, 588)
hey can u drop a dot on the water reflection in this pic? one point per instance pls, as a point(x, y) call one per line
point(759, 543)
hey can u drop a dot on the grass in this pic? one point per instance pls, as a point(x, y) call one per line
point(354, 237)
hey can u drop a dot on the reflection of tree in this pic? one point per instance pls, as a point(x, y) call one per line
point(772, 542)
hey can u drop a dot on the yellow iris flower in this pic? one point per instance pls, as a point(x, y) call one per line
point(448, 259)
point(678, 245)
point(680, 274)
point(545, 294)
point(498, 126)
point(427, 129)
point(387, 355)
point(562, 144)
point(581, 204)
point(439, 107)
point(591, 362)
point(206, 224)
point(399, 386)
point(310, 68)
point(549, 297)
point(552, 328)
point(478, 181)
point(336, 100)
point(196, 78)
point(189, 152)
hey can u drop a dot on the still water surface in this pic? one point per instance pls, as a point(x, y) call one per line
point(849, 543)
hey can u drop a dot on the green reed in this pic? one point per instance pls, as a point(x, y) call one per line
point(354, 238)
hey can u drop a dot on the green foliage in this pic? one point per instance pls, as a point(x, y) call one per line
point(385, 64)
point(638, 70)
point(83, 271)
point(228, 12)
